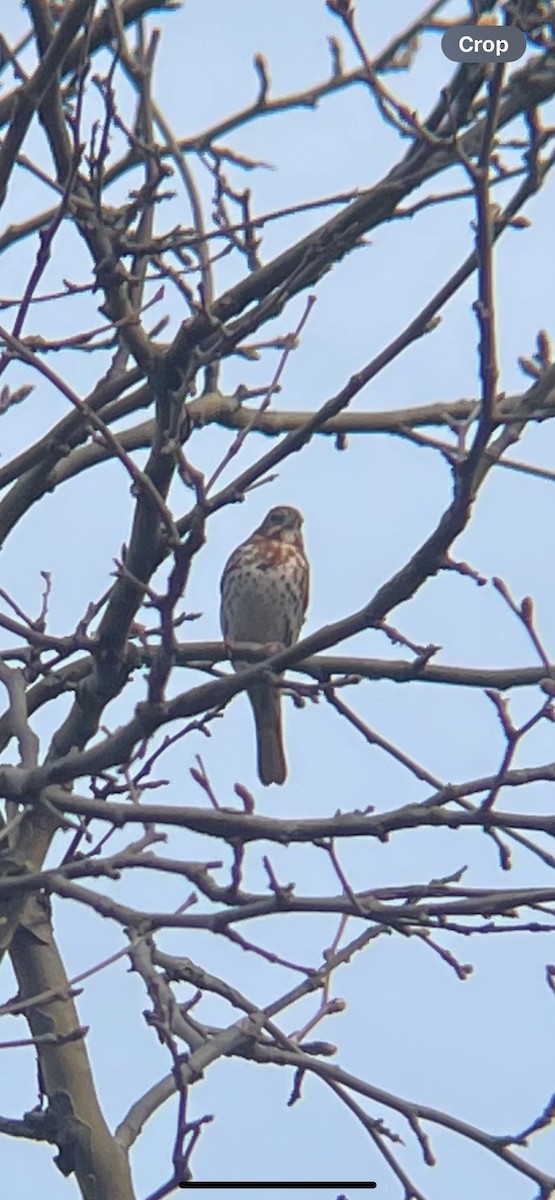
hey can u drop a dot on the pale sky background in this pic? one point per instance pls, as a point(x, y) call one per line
point(483, 1050)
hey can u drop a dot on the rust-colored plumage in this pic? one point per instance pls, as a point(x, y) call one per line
point(264, 599)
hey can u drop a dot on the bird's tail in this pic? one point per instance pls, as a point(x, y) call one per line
point(266, 705)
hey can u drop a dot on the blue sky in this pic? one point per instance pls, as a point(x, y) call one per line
point(482, 1048)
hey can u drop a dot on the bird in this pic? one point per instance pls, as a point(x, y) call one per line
point(264, 589)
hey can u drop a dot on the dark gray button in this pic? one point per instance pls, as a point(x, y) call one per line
point(483, 43)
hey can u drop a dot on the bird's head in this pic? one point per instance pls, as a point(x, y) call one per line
point(282, 523)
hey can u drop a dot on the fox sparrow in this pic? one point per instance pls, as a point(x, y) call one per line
point(264, 599)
